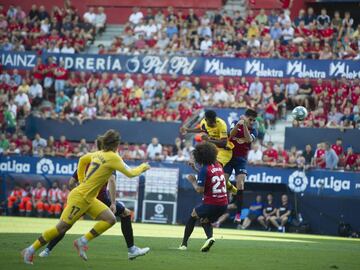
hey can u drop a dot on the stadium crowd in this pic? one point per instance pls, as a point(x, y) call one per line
point(274, 35)
point(61, 30)
point(52, 91)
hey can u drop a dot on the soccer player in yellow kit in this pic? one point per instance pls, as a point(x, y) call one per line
point(82, 199)
point(216, 133)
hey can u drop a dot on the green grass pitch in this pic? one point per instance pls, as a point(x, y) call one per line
point(233, 249)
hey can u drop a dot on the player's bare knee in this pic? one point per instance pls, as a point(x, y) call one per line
point(194, 214)
point(126, 213)
point(240, 180)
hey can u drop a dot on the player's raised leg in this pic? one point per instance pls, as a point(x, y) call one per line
point(47, 236)
point(99, 211)
point(75, 209)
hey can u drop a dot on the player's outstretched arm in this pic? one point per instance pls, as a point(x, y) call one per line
point(120, 166)
point(185, 130)
point(192, 179)
point(83, 162)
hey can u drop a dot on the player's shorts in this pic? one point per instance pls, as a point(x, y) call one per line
point(210, 211)
point(237, 164)
point(77, 206)
point(120, 206)
point(223, 156)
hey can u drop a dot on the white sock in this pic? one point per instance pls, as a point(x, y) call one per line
point(31, 249)
point(131, 249)
point(83, 240)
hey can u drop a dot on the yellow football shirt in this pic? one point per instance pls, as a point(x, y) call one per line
point(101, 166)
point(218, 132)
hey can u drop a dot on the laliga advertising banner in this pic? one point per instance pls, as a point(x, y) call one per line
point(321, 182)
point(197, 66)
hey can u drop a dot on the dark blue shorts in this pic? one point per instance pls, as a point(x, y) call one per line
point(237, 164)
point(210, 211)
point(120, 207)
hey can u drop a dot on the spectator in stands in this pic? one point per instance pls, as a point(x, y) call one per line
point(67, 48)
point(282, 214)
point(323, 20)
point(256, 91)
point(100, 20)
point(350, 159)
point(255, 211)
point(283, 157)
point(90, 16)
point(276, 31)
point(287, 33)
point(60, 75)
point(36, 93)
point(334, 118)
point(273, 17)
point(305, 91)
point(269, 210)
point(255, 155)
point(347, 120)
point(319, 156)
point(37, 144)
point(61, 101)
point(338, 148)
point(4, 143)
point(137, 153)
point(307, 156)
point(270, 155)
point(154, 149)
point(136, 17)
point(330, 157)
point(261, 18)
point(22, 102)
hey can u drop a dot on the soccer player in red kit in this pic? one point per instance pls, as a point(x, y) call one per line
point(26, 205)
point(14, 199)
point(242, 135)
point(211, 182)
point(54, 200)
point(39, 199)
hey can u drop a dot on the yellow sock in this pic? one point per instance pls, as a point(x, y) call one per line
point(47, 236)
point(100, 227)
point(36, 245)
point(231, 187)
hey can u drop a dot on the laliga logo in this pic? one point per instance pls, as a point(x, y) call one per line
point(159, 209)
point(45, 166)
point(298, 181)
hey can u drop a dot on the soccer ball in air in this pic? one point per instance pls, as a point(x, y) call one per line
point(299, 113)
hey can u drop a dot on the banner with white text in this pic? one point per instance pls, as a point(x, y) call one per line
point(187, 66)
